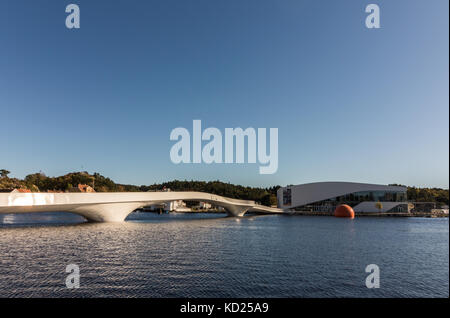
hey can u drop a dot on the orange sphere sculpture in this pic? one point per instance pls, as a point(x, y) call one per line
point(344, 211)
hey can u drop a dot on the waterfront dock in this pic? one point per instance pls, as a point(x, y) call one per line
point(377, 214)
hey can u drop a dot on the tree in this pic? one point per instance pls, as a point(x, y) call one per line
point(273, 200)
point(4, 173)
point(379, 206)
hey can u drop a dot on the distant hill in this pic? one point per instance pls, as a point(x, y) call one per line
point(39, 182)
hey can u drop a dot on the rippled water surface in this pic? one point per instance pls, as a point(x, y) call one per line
point(193, 255)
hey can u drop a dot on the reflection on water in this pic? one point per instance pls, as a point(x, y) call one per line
point(209, 255)
point(39, 219)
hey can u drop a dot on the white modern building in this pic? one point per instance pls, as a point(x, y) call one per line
point(205, 205)
point(326, 196)
point(175, 205)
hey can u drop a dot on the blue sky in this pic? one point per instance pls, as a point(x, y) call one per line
point(351, 104)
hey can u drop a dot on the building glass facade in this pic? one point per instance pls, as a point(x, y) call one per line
point(353, 199)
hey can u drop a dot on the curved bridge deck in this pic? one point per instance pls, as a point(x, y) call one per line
point(115, 206)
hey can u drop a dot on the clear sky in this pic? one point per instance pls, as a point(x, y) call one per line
point(351, 104)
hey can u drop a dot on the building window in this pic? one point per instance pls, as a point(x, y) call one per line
point(287, 197)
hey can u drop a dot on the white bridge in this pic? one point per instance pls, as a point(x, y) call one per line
point(115, 206)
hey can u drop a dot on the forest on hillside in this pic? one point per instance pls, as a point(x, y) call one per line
point(39, 182)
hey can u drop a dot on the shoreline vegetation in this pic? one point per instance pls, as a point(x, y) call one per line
point(39, 182)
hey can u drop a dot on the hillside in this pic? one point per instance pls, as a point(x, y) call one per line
point(39, 182)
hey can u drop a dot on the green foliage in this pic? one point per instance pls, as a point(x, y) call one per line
point(40, 182)
point(266, 196)
point(4, 173)
point(269, 199)
point(428, 195)
point(220, 188)
point(379, 205)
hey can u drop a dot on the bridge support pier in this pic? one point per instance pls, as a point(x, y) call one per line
point(234, 210)
point(114, 212)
